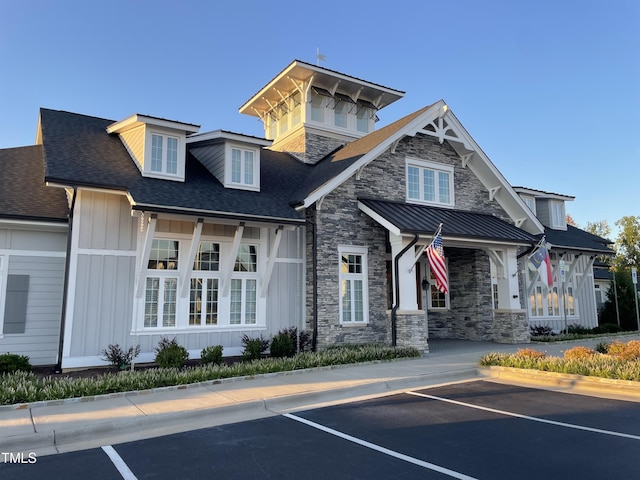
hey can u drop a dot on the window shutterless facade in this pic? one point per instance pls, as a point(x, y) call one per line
point(243, 168)
point(354, 298)
point(437, 299)
point(429, 183)
point(166, 303)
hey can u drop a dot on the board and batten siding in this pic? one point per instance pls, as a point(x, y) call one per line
point(38, 256)
point(107, 246)
point(102, 275)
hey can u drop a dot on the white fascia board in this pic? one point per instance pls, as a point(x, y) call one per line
point(379, 219)
point(224, 135)
point(542, 194)
point(494, 172)
point(215, 213)
point(136, 119)
point(410, 129)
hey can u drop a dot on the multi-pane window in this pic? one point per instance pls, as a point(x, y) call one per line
point(203, 301)
point(353, 286)
point(363, 116)
point(244, 284)
point(430, 184)
point(553, 303)
point(205, 283)
point(164, 154)
point(160, 303)
point(437, 299)
point(536, 302)
point(317, 108)
point(242, 166)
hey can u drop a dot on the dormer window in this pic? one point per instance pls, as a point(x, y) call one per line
point(164, 154)
point(558, 218)
point(530, 202)
point(157, 146)
point(243, 167)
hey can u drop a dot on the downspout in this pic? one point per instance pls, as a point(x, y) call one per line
point(65, 288)
point(314, 263)
point(396, 261)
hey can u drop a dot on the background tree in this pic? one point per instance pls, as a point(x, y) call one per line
point(571, 221)
point(626, 302)
point(628, 243)
point(600, 228)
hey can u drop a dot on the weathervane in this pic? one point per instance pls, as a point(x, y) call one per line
point(319, 56)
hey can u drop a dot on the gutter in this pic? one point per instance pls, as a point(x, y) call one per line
point(314, 247)
point(394, 310)
point(65, 291)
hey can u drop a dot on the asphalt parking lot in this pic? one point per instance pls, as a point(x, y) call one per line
point(470, 430)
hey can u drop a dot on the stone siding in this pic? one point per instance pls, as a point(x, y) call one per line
point(511, 326)
point(411, 330)
point(308, 147)
point(340, 222)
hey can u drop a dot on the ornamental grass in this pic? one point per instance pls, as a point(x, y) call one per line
point(26, 387)
point(620, 362)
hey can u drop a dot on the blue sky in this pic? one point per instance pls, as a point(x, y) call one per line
point(550, 89)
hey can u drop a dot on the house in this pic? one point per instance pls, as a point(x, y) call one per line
point(160, 230)
point(573, 297)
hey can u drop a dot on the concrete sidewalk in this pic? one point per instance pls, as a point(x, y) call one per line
point(67, 425)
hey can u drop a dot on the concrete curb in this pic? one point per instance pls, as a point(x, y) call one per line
point(578, 383)
point(163, 424)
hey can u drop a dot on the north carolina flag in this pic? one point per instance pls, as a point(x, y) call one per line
point(539, 260)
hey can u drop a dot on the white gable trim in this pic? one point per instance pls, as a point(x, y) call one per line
point(471, 155)
point(437, 109)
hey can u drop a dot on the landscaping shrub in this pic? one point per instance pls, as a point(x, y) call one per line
point(578, 353)
point(530, 353)
point(578, 329)
point(170, 354)
point(116, 356)
point(211, 355)
point(540, 331)
point(607, 328)
point(625, 351)
point(12, 362)
point(601, 347)
point(282, 346)
point(253, 347)
point(305, 338)
point(20, 387)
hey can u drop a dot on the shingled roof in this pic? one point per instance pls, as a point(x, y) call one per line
point(78, 151)
point(574, 238)
point(24, 194)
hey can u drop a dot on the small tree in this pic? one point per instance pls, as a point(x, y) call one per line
point(626, 302)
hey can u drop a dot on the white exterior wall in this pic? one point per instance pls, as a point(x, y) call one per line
point(582, 282)
point(107, 308)
point(39, 252)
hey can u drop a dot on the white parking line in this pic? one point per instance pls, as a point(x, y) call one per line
point(122, 467)
point(380, 449)
point(526, 417)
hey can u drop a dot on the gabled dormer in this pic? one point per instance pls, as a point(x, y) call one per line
point(308, 111)
point(157, 145)
point(233, 158)
point(547, 206)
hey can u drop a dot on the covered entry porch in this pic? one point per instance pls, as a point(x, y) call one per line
point(484, 300)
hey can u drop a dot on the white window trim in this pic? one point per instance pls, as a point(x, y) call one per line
point(436, 167)
point(228, 174)
point(562, 221)
point(530, 202)
point(182, 302)
point(362, 251)
point(180, 170)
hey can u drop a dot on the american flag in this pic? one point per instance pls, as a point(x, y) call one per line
point(435, 255)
